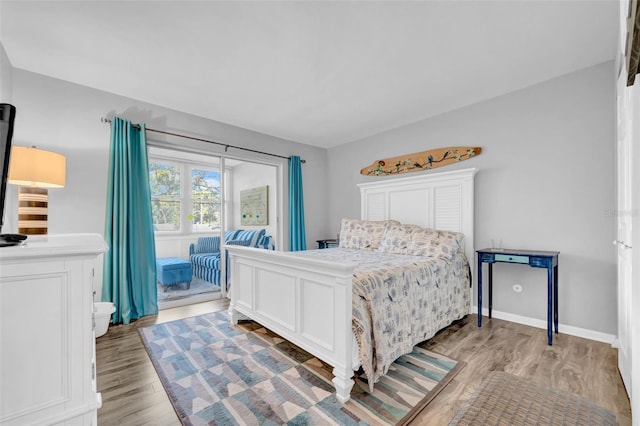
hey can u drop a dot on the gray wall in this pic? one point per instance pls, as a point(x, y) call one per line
point(546, 178)
point(6, 79)
point(545, 182)
point(253, 175)
point(6, 96)
point(65, 118)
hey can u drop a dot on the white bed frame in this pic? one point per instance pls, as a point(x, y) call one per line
point(308, 301)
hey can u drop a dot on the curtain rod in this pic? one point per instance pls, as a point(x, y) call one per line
point(226, 145)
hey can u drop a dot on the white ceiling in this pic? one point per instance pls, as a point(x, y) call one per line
point(322, 73)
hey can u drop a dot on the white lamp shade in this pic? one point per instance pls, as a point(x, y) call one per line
point(37, 168)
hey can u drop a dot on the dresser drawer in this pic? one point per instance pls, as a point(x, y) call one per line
point(511, 258)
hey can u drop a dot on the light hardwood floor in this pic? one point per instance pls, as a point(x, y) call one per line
point(133, 395)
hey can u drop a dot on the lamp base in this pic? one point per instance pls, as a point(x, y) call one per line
point(33, 210)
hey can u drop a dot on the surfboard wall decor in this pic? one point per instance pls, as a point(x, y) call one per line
point(419, 161)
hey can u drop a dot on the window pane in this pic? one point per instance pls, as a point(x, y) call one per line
point(164, 180)
point(205, 194)
point(166, 214)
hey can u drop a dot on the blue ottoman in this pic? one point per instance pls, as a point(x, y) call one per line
point(172, 271)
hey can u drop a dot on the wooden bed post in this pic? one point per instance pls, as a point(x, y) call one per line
point(343, 383)
point(233, 315)
point(343, 306)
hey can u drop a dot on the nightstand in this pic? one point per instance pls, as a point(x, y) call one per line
point(533, 258)
point(323, 244)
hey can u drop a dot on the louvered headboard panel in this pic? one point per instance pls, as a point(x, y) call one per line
point(433, 200)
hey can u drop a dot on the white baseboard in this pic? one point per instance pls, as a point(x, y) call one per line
point(562, 328)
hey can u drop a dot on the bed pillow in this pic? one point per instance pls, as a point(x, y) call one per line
point(397, 238)
point(418, 241)
point(362, 234)
point(432, 242)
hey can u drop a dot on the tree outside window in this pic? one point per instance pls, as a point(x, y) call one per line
point(205, 199)
point(164, 180)
point(172, 210)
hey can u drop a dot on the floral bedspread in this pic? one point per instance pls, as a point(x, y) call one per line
point(399, 301)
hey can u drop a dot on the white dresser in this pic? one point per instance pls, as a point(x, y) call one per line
point(47, 344)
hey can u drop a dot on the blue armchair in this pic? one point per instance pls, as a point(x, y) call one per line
point(205, 254)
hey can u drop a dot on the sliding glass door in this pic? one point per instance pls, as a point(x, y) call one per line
point(197, 196)
point(187, 199)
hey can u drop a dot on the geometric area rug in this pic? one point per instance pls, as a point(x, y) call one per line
point(218, 373)
point(505, 399)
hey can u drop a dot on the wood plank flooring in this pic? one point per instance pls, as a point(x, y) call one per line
point(133, 395)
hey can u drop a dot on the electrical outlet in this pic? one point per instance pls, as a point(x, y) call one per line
point(517, 288)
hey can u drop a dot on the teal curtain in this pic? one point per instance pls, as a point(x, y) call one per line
point(129, 275)
point(297, 238)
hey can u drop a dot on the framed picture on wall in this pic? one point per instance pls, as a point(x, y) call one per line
point(254, 206)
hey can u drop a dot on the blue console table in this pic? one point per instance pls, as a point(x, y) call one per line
point(536, 259)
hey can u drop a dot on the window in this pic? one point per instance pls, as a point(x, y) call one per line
point(181, 204)
point(205, 200)
point(166, 201)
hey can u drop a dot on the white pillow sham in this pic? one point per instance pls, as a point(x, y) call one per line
point(363, 234)
point(417, 241)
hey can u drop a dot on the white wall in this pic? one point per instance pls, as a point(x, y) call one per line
point(546, 174)
point(6, 95)
point(252, 175)
point(65, 118)
point(545, 182)
point(6, 78)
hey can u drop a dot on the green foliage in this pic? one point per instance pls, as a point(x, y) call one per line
point(165, 182)
point(205, 195)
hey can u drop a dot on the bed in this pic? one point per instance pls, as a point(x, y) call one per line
point(308, 297)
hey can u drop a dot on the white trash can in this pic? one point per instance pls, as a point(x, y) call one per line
point(102, 312)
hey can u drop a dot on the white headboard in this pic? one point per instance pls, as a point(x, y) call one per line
point(434, 200)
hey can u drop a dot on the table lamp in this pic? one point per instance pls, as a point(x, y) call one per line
point(35, 170)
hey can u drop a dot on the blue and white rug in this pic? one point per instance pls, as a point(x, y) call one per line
point(217, 373)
